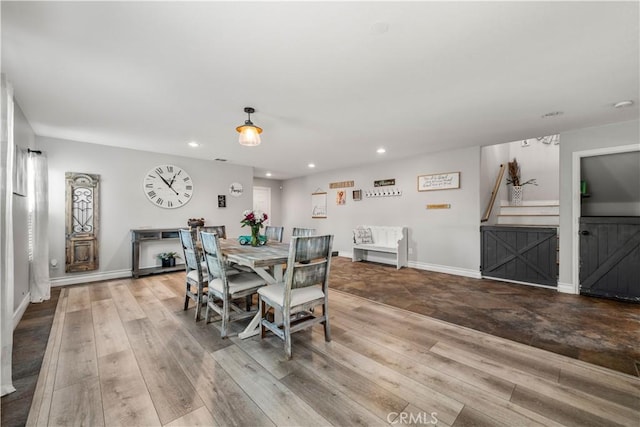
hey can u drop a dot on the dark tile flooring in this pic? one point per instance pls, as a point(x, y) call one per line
point(29, 344)
point(599, 331)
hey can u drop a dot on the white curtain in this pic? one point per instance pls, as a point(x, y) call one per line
point(7, 156)
point(38, 199)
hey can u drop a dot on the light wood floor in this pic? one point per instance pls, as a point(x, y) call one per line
point(124, 353)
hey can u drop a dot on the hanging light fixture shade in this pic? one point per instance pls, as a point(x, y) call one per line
point(249, 133)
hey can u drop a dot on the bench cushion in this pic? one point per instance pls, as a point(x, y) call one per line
point(374, 247)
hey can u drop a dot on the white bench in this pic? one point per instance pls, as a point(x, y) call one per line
point(388, 239)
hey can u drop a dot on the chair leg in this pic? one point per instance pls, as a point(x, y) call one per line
point(198, 303)
point(247, 302)
point(263, 313)
point(225, 316)
point(327, 329)
point(206, 313)
point(186, 298)
point(287, 335)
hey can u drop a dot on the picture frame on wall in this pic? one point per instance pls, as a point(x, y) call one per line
point(319, 205)
point(20, 172)
point(439, 181)
point(357, 195)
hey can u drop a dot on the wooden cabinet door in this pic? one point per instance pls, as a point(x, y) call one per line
point(82, 221)
point(610, 257)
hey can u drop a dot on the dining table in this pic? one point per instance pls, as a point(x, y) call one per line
point(267, 261)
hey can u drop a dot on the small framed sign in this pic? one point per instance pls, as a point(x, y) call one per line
point(439, 181)
point(222, 201)
point(384, 182)
point(357, 195)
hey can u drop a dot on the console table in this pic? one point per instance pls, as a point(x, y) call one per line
point(138, 237)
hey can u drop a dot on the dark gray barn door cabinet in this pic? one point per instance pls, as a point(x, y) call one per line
point(523, 254)
point(610, 257)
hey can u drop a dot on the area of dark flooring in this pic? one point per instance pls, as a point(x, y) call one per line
point(599, 331)
point(29, 344)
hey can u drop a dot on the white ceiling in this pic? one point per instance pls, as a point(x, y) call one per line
point(329, 85)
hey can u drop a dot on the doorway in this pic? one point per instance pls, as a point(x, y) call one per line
point(605, 208)
point(262, 201)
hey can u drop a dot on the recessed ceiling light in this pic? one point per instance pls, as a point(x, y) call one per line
point(552, 114)
point(381, 151)
point(268, 174)
point(623, 104)
point(311, 165)
point(193, 144)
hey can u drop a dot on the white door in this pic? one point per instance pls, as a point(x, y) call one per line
point(262, 201)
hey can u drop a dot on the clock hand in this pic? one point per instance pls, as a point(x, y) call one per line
point(168, 185)
point(172, 180)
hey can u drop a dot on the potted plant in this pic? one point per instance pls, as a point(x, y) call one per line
point(516, 183)
point(168, 259)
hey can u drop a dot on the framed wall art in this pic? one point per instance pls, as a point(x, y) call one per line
point(439, 181)
point(318, 205)
point(357, 195)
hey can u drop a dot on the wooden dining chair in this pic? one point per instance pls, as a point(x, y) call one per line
point(225, 289)
point(297, 231)
point(274, 233)
point(306, 285)
point(196, 273)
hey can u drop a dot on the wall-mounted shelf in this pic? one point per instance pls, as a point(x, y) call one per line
point(138, 237)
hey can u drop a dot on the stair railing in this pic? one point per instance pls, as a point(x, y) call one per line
point(494, 193)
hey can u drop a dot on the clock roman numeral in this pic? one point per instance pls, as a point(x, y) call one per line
point(152, 194)
point(159, 170)
point(180, 201)
point(187, 195)
point(169, 204)
point(189, 187)
point(187, 179)
point(169, 168)
point(160, 200)
point(149, 185)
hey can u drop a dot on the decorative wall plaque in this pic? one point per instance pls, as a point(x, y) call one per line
point(439, 181)
point(222, 201)
point(343, 184)
point(384, 182)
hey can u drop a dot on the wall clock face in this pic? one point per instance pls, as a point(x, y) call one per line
point(168, 186)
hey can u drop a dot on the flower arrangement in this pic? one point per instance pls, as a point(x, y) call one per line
point(255, 220)
point(514, 175)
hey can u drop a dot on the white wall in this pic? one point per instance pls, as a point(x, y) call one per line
point(124, 206)
point(540, 162)
point(614, 135)
point(24, 138)
point(441, 240)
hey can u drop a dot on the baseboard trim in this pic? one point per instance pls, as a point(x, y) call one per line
point(446, 269)
point(17, 315)
point(91, 277)
point(567, 288)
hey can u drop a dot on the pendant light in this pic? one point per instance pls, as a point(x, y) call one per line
point(249, 133)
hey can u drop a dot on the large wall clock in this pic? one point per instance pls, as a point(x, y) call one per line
point(168, 186)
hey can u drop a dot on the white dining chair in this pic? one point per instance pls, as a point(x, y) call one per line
point(306, 286)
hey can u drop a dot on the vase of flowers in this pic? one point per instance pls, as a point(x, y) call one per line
point(516, 183)
point(168, 259)
point(255, 220)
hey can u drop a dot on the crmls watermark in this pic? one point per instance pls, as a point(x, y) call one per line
point(412, 418)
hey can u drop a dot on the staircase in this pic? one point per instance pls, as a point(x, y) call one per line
point(540, 213)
